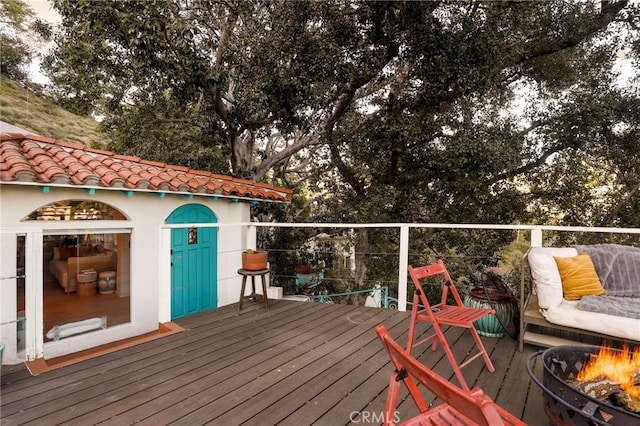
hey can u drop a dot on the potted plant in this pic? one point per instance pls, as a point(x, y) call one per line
point(494, 293)
point(304, 268)
point(254, 260)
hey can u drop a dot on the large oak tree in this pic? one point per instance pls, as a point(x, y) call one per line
point(452, 111)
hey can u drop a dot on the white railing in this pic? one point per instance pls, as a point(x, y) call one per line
point(536, 238)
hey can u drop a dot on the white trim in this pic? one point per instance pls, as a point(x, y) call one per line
point(87, 231)
point(214, 197)
point(34, 302)
point(164, 282)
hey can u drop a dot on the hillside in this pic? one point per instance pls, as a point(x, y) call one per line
point(22, 108)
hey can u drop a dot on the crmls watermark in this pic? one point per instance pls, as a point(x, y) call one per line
point(373, 417)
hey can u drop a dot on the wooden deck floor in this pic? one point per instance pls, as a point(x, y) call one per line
point(295, 364)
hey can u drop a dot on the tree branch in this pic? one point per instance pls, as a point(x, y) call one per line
point(527, 167)
point(623, 200)
point(608, 13)
point(272, 160)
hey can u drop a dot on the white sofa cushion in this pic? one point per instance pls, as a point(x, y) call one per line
point(568, 314)
point(544, 273)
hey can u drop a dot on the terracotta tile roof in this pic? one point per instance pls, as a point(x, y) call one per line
point(49, 162)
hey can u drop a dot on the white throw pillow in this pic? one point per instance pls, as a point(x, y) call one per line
point(544, 273)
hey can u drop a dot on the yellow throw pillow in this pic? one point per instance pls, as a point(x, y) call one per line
point(579, 277)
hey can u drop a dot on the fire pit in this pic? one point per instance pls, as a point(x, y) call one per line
point(564, 404)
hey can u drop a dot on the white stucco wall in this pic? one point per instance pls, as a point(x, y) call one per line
point(147, 213)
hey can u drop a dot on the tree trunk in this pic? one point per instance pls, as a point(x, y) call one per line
point(242, 151)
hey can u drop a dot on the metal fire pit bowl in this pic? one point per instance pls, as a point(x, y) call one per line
point(565, 405)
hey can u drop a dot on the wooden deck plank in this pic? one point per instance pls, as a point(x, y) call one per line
point(281, 369)
point(50, 387)
point(513, 390)
point(293, 364)
point(136, 370)
point(357, 402)
point(491, 383)
point(105, 363)
point(376, 359)
point(534, 405)
point(186, 371)
point(219, 384)
point(333, 355)
point(186, 368)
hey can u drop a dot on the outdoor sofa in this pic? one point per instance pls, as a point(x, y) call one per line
point(611, 312)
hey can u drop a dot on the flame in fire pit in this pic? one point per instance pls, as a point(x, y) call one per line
point(622, 367)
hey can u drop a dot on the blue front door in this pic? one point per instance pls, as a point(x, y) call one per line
point(193, 261)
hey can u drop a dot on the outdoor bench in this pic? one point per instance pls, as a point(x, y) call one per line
point(610, 313)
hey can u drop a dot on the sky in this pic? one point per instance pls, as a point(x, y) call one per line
point(44, 11)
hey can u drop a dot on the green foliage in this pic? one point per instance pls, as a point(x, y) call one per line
point(15, 14)
point(16, 54)
point(20, 35)
point(167, 138)
point(238, 70)
point(447, 147)
point(449, 111)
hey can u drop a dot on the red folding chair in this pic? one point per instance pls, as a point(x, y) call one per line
point(459, 407)
point(443, 314)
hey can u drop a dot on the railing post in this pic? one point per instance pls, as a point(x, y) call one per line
point(402, 268)
point(536, 237)
point(385, 292)
point(252, 232)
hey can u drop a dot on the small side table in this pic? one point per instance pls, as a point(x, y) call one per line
point(246, 273)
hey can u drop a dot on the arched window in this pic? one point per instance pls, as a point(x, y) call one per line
point(76, 210)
